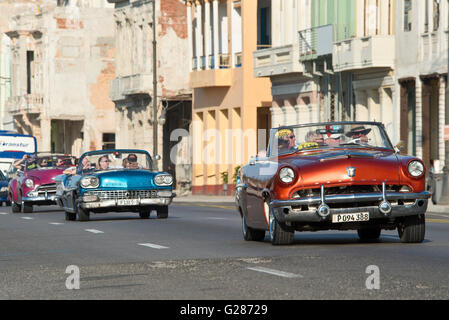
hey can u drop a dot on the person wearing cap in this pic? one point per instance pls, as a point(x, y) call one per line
point(333, 136)
point(359, 133)
point(132, 161)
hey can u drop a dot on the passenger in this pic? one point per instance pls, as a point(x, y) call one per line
point(125, 163)
point(313, 136)
point(20, 164)
point(333, 140)
point(60, 162)
point(103, 163)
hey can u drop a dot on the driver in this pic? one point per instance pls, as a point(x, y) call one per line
point(286, 140)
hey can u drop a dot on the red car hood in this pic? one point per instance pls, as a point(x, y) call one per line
point(44, 176)
point(333, 167)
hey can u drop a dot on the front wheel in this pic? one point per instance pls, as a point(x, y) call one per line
point(412, 229)
point(280, 233)
point(83, 215)
point(162, 212)
point(70, 216)
point(250, 234)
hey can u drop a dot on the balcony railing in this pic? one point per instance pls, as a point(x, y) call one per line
point(315, 42)
point(211, 61)
point(29, 103)
point(238, 59)
point(263, 46)
point(203, 62)
point(224, 61)
point(195, 63)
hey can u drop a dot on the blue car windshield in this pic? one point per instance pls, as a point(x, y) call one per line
point(114, 160)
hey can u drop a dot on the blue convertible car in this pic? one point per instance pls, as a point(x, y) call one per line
point(114, 181)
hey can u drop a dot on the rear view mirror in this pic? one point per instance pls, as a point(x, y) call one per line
point(400, 146)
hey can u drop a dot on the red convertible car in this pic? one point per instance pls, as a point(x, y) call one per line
point(336, 175)
point(33, 183)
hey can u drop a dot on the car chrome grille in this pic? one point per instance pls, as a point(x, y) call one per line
point(345, 190)
point(46, 189)
point(124, 194)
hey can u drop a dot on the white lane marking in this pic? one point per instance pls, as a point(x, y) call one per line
point(276, 272)
point(27, 218)
point(4, 213)
point(152, 245)
point(215, 218)
point(56, 223)
point(94, 231)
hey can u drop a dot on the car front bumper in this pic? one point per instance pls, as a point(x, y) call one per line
point(398, 204)
point(160, 201)
point(43, 198)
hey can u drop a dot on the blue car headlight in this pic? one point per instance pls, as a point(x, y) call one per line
point(163, 180)
point(90, 182)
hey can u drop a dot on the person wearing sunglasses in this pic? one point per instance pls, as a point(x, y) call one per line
point(286, 140)
point(103, 163)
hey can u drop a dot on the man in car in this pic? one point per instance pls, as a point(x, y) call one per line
point(132, 162)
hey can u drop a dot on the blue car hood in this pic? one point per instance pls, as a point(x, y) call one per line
point(128, 179)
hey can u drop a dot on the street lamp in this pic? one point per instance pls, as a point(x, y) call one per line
point(155, 137)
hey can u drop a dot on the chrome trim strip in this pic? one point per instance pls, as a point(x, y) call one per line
point(361, 197)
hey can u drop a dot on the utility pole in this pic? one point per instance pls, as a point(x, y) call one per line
point(154, 99)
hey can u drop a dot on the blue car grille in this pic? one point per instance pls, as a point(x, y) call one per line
point(124, 194)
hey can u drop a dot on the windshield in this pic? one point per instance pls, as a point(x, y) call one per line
point(114, 160)
point(2, 177)
point(50, 162)
point(327, 136)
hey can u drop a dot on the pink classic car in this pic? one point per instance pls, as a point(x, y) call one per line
point(33, 183)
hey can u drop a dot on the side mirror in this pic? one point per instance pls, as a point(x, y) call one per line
point(400, 146)
point(157, 157)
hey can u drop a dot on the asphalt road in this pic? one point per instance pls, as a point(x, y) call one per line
point(199, 253)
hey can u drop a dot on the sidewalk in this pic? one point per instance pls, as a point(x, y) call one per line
point(231, 199)
point(204, 199)
point(437, 208)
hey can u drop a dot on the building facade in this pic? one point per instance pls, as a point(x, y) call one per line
point(230, 106)
point(422, 29)
point(132, 89)
point(62, 60)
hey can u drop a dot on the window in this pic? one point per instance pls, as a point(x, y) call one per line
point(436, 15)
point(407, 15)
point(62, 3)
point(108, 141)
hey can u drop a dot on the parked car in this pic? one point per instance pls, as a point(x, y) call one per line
point(4, 190)
point(115, 181)
point(335, 175)
point(34, 184)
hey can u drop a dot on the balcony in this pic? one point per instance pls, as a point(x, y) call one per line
point(29, 103)
point(315, 42)
point(277, 61)
point(366, 52)
point(131, 85)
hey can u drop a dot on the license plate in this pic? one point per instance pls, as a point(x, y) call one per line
point(350, 217)
point(128, 202)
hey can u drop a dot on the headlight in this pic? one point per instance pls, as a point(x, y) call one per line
point(287, 175)
point(163, 180)
point(3, 189)
point(416, 168)
point(29, 183)
point(90, 182)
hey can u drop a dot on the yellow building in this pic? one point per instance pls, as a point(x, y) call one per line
point(230, 106)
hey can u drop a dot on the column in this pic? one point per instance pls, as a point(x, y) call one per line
point(45, 143)
point(207, 41)
point(190, 34)
point(361, 109)
point(441, 120)
point(216, 44)
point(418, 104)
point(199, 33)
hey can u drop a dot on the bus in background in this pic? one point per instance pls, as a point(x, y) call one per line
point(14, 146)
